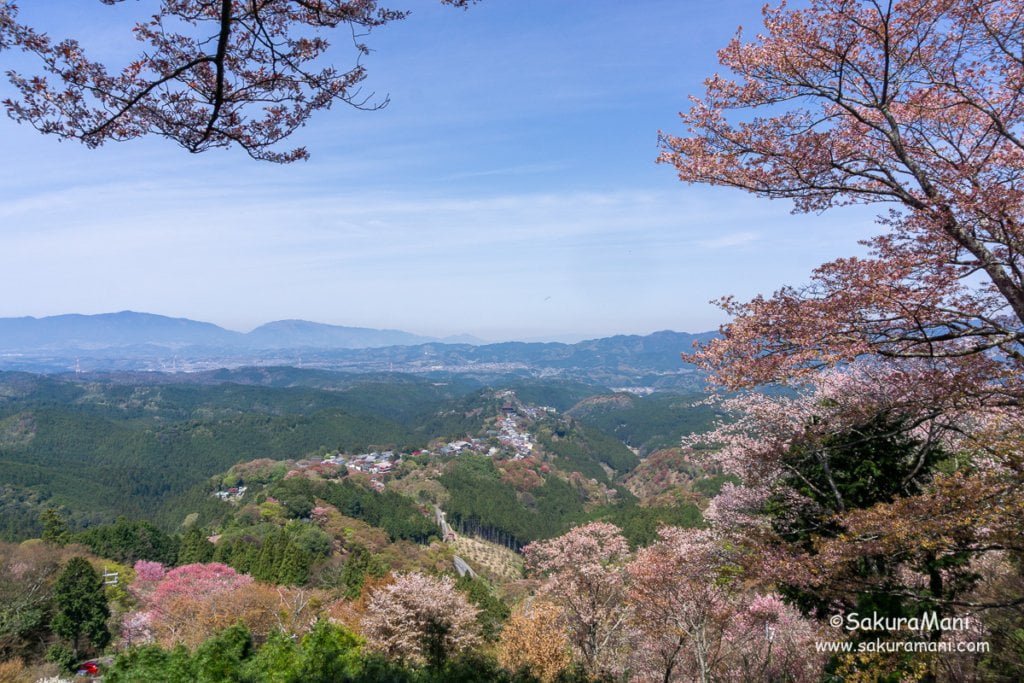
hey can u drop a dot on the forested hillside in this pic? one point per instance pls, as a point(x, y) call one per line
point(98, 447)
point(647, 423)
point(104, 448)
point(321, 496)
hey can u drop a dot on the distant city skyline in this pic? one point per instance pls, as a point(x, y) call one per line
point(509, 190)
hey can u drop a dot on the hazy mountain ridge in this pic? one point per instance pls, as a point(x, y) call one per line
point(130, 328)
point(77, 331)
point(128, 341)
point(302, 333)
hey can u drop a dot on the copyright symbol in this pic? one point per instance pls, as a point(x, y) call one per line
point(836, 620)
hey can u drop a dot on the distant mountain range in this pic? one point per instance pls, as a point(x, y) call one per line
point(128, 328)
point(130, 341)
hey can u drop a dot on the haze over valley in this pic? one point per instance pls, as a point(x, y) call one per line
point(130, 341)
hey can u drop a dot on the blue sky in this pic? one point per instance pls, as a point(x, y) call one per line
point(509, 190)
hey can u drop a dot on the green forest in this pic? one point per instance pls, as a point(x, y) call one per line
point(138, 478)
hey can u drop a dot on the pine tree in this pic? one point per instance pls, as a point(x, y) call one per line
point(80, 605)
point(360, 564)
point(55, 527)
point(266, 562)
point(293, 567)
point(194, 547)
point(244, 556)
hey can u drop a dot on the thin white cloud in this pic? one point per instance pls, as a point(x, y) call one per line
point(510, 187)
point(734, 239)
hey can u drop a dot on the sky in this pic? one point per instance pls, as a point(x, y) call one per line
point(509, 190)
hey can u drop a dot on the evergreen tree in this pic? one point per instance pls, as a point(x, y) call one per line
point(293, 566)
point(245, 557)
point(221, 658)
point(493, 610)
point(194, 547)
point(129, 541)
point(329, 653)
point(360, 562)
point(55, 527)
point(265, 568)
point(277, 661)
point(80, 605)
point(152, 664)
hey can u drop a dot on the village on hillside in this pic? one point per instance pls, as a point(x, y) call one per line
point(506, 436)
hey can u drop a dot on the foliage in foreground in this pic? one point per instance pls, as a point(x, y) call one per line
point(327, 654)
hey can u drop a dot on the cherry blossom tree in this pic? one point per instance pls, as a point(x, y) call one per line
point(171, 603)
point(699, 617)
point(135, 629)
point(190, 604)
point(882, 489)
point(583, 572)
point(796, 442)
point(683, 601)
point(535, 638)
point(420, 619)
point(198, 579)
point(912, 104)
point(209, 74)
point(860, 444)
point(148, 573)
point(767, 640)
point(893, 477)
